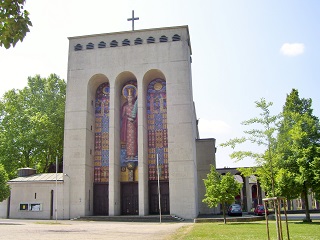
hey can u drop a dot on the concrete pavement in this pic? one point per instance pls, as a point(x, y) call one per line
point(301, 216)
point(14, 229)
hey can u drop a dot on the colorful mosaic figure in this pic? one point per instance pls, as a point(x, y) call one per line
point(101, 146)
point(129, 133)
point(129, 121)
point(157, 129)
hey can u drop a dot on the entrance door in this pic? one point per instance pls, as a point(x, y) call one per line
point(129, 198)
point(154, 198)
point(101, 199)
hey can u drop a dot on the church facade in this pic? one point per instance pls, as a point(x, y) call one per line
point(129, 106)
point(130, 126)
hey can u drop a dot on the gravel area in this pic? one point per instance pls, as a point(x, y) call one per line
point(81, 230)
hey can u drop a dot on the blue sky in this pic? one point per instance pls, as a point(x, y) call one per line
point(241, 51)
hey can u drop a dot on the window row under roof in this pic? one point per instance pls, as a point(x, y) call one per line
point(126, 42)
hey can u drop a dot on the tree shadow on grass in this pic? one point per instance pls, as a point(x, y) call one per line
point(307, 223)
point(241, 223)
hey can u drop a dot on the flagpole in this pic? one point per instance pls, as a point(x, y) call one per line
point(159, 186)
point(56, 188)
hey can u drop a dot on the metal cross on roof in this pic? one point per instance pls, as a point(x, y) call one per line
point(132, 19)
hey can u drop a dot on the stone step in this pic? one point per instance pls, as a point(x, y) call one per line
point(132, 218)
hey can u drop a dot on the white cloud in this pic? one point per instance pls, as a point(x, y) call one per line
point(292, 49)
point(208, 127)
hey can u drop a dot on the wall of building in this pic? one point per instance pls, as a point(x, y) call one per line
point(4, 208)
point(205, 158)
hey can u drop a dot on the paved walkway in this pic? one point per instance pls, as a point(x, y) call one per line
point(80, 230)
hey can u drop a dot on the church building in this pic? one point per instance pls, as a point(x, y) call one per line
point(130, 123)
point(129, 105)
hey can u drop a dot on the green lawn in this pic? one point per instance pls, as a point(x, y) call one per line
point(243, 231)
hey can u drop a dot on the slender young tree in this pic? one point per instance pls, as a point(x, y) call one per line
point(298, 149)
point(220, 189)
point(263, 135)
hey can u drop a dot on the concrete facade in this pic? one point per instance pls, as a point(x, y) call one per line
point(87, 69)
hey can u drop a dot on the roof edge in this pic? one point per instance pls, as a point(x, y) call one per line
point(125, 32)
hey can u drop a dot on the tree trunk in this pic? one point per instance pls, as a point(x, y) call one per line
point(27, 159)
point(224, 212)
point(306, 203)
point(289, 204)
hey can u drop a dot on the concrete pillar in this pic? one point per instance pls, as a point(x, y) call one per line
point(66, 196)
point(114, 159)
point(248, 194)
point(142, 150)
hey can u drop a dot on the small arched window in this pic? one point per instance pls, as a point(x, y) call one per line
point(114, 43)
point(126, 42)
point(78, 47)
point(102, 44)
point(90, 46)
point(150, 40)
point(176, 37)
point(163, 38)
point(137, 41)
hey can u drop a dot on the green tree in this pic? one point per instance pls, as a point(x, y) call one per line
point(298, 149)
point(14, 22)
point(32, 124)
point(264, 135)
point(220, 189)
point(4, 187)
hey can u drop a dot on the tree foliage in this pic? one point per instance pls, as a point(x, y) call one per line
point(290, 165)
point(4, 187)
point(14, 22)
point(263, 135)
point(32, 124)
point(298, 149)
point(220, 189)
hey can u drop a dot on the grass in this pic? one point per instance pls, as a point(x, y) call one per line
point(244, 231)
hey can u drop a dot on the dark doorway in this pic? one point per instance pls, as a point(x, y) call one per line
point(101, 199)
point(129, 198)
point(51, 204)
point(154, 198)
point(8, 207)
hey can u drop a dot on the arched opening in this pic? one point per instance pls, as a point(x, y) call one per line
point(101, 150)
point(126, 86)
point(99, 103)
point(157, 139)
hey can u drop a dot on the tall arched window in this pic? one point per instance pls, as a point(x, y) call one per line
point(101, 149)
point(157, 129)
